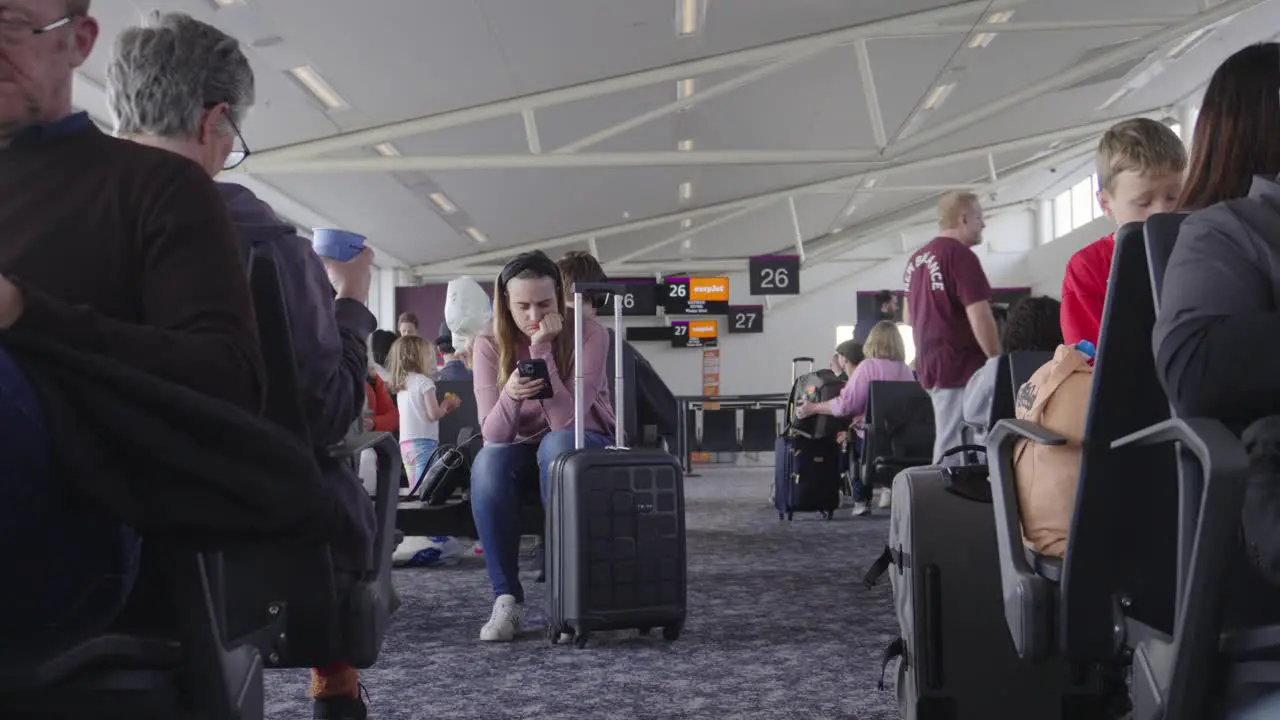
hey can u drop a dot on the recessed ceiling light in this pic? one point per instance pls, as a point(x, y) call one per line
point(836, 230)
point(984, 39)
point(477, 235)
point(625, 215)
point(686, 191)
point(689, 16)
point(685, 146)
point(386, 149)
point(319, 88)
point(685, 88)
point(446, 206)
point(686, 223)
point(938, 96)
point(850, 210)
point(870, 182)
point(227, 3)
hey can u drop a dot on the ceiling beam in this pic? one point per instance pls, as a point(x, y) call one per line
point(869, 92)
point(1046, 26)
point(1031, 141)
point(629, 81)
point(681, 105)
point(663, 158)
point(531, 132)
point(729, 217)
point(1127, 52)
point(795, 226)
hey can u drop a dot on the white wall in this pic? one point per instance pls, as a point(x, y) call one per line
point(805, 325)
point(1044, 267)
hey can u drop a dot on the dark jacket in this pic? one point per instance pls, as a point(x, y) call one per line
point(1217, 334)
point(454, 370)
point(329, 341)
point(163, 458)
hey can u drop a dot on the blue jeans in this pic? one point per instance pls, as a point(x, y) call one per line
point(70, 569)
point(415, 454)
point(860, 490)
point(498, 476)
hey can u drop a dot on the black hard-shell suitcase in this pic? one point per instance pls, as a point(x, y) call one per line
point(956, 659)
point(615, 543)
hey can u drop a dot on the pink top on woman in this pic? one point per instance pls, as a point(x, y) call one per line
point(503, 420)
point(852, 402)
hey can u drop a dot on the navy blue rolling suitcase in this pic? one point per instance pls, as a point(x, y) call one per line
point(615, 544)
point(806, 476)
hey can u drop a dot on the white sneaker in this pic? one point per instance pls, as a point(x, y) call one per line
point(860, 508)
point(505, 621)
point(886, 496)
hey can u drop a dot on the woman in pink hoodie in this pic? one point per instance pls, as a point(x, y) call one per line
point(523, 434)
point(884, 359)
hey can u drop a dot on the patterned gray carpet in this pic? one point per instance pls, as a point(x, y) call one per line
point(779, 627)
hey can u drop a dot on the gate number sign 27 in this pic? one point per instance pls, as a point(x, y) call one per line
point(746, 319)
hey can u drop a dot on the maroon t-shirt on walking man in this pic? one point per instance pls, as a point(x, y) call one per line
point(942, 279)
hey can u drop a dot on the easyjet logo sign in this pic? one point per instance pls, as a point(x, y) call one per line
point(702, 328)
point(709, 289)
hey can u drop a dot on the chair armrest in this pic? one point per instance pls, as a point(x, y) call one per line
point(356, 444)
point(1037, 434)
point(1028, 597)
point(390, 469)
point(1215, 460)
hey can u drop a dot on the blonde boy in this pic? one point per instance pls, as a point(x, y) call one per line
point(1140, 171)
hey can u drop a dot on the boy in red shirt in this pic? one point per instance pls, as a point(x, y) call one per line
point(1140, 168)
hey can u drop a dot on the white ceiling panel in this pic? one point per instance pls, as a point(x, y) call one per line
point(401, 60)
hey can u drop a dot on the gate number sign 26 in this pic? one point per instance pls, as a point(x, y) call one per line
point(774, 274)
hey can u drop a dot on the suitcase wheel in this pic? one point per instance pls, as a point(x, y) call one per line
point(553, 634)
point(790, 516)
point(644, 631)
point(580, 640)
point(671, 633)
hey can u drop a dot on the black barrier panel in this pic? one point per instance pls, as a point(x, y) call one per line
point(720, 431)
point(759, 429)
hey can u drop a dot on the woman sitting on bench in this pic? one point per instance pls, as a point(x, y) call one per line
point(523, 433)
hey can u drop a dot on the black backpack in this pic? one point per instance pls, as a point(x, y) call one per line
point(815, 387)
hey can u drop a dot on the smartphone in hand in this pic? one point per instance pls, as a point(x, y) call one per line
point(536, 368)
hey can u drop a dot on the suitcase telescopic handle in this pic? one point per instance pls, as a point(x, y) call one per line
point(616, 290)
point(795, 362)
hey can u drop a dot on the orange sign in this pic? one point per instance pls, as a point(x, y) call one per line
point(711, 373)
point(703, 329)
point(709, 289)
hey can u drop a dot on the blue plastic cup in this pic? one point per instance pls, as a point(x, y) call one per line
point(340, 245)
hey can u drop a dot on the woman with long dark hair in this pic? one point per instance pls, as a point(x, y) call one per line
point(524, 434)
point(1217, 334)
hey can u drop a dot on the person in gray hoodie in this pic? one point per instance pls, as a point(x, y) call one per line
point(184, 86)
point(1218, 317)
point(1217, 333)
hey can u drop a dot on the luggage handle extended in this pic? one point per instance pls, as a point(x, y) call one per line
point(619, 402)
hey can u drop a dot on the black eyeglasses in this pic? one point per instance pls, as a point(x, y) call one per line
point(240, 151)
point(238, 154)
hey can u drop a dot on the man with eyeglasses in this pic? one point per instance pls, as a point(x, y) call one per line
point(185, 86)
point(109, 248)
